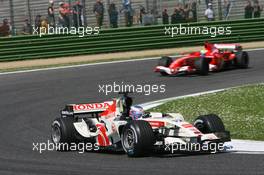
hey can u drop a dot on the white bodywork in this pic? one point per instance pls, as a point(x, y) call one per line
point(179, 131)
point(226, 46)
point(165, 69)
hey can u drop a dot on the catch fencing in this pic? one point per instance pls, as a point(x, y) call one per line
point(19, 10)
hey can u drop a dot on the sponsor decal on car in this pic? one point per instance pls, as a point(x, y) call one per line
point(102, 138)
point(157, 124)
point(92, 107)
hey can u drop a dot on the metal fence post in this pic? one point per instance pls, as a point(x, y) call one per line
point(147, 5)
point(220, 15)
point(70, 15)
point(29, 14)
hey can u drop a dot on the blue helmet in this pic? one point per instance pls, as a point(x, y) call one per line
point(136, 112)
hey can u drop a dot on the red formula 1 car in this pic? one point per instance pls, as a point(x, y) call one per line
point(214, 57)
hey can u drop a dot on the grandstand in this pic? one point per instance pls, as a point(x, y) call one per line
point(29, 9)
point(21, 10)
point(236, 9)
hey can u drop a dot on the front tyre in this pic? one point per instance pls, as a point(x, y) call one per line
point(202, 66)
point(209, 124)
point(165, 62)
point(212, 124)
point(137, 138)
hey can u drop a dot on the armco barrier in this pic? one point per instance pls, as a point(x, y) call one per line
point(123, 39)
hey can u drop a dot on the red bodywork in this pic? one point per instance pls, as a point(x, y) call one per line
point(216, 54)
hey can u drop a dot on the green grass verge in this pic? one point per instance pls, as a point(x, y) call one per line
point(241, 109)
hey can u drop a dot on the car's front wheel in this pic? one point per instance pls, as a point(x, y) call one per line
point(202, 66)
point(137, 138)
point(212, 124)
point(209, 124)
point(165, 62)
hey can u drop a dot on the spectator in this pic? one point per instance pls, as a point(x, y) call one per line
point(5, 28)
point(38, 23)
point(191, 14)
point(173, 16)
point(176, 17)
point(186, 13)
point(77, 14)
point(248, 10)
point(26, 28)
point(64, 12)
point(44, 25)
point(194, 10)
point(209, 13)
point(127, 7)
point(257, 9)
point(51, 14)
point(165, 17)
point(61, 14)
point(226, 6)
point(142, 12)
point(182, 16)
point(113, 15)
point(207, 2)
point(98, 10)
point(149, 18)
point(67, 13)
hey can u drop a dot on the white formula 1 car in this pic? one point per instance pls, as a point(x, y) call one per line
point(109, 125)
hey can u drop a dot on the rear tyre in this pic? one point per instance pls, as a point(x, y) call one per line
point(63, 133)
point(209, 124)
point(165, 62)
point(202, 66)
point(137, 138)
point(242, 60)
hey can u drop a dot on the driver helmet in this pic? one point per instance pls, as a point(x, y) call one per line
point(136, 112)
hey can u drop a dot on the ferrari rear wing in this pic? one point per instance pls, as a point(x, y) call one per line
point(228, 46)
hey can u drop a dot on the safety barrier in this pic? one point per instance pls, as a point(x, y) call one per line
point(123, 39)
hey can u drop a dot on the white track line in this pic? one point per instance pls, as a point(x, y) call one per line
point(78, 65)
point(94, 64)
point(153, 104)
point(235, 146)
point(245, 147)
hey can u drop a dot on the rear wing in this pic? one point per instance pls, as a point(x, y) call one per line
point(72, 109)
point(236, 47)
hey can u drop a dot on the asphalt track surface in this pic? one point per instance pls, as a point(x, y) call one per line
point(30, 101)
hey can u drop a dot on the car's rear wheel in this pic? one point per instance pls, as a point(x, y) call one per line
point(137, 138)
point(202, 66)
point(242, 60)
point(165, 62)
point(63, 133)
